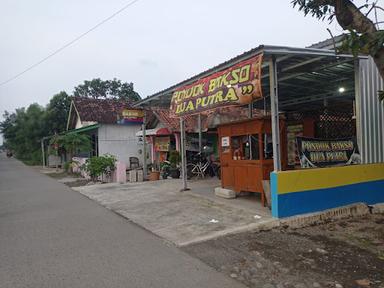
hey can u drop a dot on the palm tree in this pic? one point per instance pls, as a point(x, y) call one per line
point(72, 142)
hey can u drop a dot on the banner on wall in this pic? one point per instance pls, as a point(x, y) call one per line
point(162, 143)
point(315, 152)
point(237, 85)
point(293, 131)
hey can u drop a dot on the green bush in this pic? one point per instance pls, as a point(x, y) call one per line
point(71, 143)
point(174, 158)
point(99, 166)
point(67, 166)
point(34, 158)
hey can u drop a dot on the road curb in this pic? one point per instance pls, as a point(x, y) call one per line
point(254, 227)
point(358, 209)
point(300, 221)
point(378, 208)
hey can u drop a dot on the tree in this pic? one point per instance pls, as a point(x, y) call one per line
point(23, 129)
point(7, 127)
point(115, 89)
point(22, 132)
point(56, 113)
point(364, 35)
point(72, 143)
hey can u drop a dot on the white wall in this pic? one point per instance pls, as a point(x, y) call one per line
point(80, 124)
point(120, 141)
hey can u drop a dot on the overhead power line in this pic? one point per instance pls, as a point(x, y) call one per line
point(69, 43)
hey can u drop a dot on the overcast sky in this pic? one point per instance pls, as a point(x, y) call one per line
point(153, 44)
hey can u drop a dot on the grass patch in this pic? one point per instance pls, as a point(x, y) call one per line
point(59, 175)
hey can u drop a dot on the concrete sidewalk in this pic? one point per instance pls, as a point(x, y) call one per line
point(180, 217)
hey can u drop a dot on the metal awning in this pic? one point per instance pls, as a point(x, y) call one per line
point(154, 132)
point(306, 76)
point(83, 129)
point(292, 79)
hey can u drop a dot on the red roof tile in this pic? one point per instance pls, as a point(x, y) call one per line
point(104, 111)
point(173, 124)
point(209, 120)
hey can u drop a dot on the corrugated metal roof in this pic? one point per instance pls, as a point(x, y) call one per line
point(302, 54)
point(221, 66)
point(328, 43)
point(370, 113)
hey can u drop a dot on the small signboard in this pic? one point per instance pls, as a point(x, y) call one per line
point(131, 116)
point(162, 143)
point(315, 152)
point(225, 141)
point(293, 131)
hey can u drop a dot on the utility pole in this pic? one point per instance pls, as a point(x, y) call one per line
point(144, 147)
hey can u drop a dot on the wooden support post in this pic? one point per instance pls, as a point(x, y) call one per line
point(144, 147)
point(43, 152)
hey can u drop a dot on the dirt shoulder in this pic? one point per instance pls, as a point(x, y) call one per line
point(70, 180)
point(343, 253)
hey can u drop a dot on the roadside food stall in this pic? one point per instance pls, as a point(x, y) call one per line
point(317, 114)
point(246, 154)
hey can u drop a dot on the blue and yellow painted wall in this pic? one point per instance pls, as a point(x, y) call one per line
point(310, 190)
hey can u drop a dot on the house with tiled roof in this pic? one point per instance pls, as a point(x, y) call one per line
point(112, 125)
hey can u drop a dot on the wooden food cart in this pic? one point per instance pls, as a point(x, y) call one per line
point(246, 154)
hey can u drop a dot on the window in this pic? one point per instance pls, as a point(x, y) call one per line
point(267, 146)
point(245, 147)
point(254, 140)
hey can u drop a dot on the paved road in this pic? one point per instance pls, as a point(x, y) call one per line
point(51, 236)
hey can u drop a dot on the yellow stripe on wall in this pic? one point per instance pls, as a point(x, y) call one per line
point(321, 178)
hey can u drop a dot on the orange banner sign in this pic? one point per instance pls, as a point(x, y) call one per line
point(237, 85)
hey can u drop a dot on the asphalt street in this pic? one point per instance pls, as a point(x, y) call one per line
point(52, 236)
